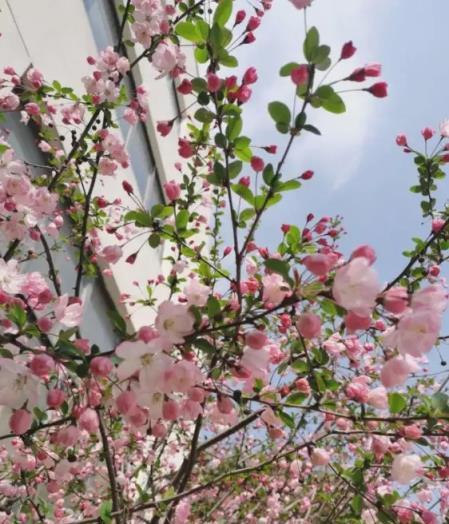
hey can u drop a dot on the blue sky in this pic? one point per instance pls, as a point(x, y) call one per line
point(360, 173)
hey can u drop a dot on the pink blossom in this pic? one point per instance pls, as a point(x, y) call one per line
point(319, 264)
point(356, 286)
point(396, 370)
point(167, 57)
point(255, 361)
point(309, 325)
point(416, 333)
point(377, 398)
point(112, 254)
point(11, 280)
point(42, 365)
point(405, 468)
point(256, 339)
point(172, 190)
point(395, 300)
point(433, 298)
point(320, 457)
point(274, 289)
point(366, 252)
point(355, 322)
point(101, 366)
point(196, 293)
point(68, 315)
point(174, 322)
point(88, 420)
point(301, 4)
point(20, 421)
point(55, 398)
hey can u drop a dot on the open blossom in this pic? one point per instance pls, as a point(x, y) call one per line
point(356, 286)
point(255, 361)
point(143, 358)
point(416, 333)
point(174, 322)
point(432, 297)
point(377, 398)
point(396, 370)
point(196, 293)
point(309, 325)
point(274, 289)
point(68, 314)
point(405, 468)
point(18, 385)
point(10, 279)
point(167, 57)
point(320, 457)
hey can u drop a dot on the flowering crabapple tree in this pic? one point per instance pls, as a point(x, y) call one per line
point(267, 386)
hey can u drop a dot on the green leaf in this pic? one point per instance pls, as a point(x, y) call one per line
point(247, 214)
point(440, 403)
point(288, 68)
point(321, 54)
point(213, 307)
point(117, 320)
point(289, 185)
point(105, 512)
point(244, 192)
point(268, 174)
point(228, 60)
point(396, 402)
point(234, 169)
point(204, 115)
point(223, 12)
point(312, 129)
point(182, 219)
point(330, 100)
point(17, 315)
point(286, 419)
point(140, 218)
point(154, 240)
point(311, 43)
point(201, 55)
point(205, 346)
point(189, 31)
point(280, 113)
point(234, 128)
point(279, 266)
point(296, 398)
point(3, 148)
point(357, 504)
point(242, 150)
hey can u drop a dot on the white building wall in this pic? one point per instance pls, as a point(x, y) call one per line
point(56, 36)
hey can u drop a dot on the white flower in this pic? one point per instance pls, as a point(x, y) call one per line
point(405, 468)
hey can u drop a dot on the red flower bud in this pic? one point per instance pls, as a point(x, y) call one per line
point(347, 50)
point(307, 175)
point(378, 90)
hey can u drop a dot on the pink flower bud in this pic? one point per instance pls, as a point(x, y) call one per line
point(256, 339)
point(44, 324)
point(379, 90)
point(20, 421)
point(55, 398)
point(172, 190)
point(245, 181)
point(213, 82)
point(257, 163)
point(146, 333)
point(355, 322)
point(170, 410)
point(319, 457)
point(250, 76)
point(300, 75)
point(303, 386)
point(42, 365)
point(239, 17)
point(318, 264)
point(358, 75)
point(159, 430)
point(253, 23)
point(126, 402)
point(164, 127)
point(185, 87)
point(309, 325)
point(427, 133)
point(307, 175)
point(225, 405)
point(437, 225)
point(101, 366)
point(366, 252)
point(373, 70)
point(395, 300)
point(88, 420)
point(347, 51)
point(244, 94)
point(401, 140)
